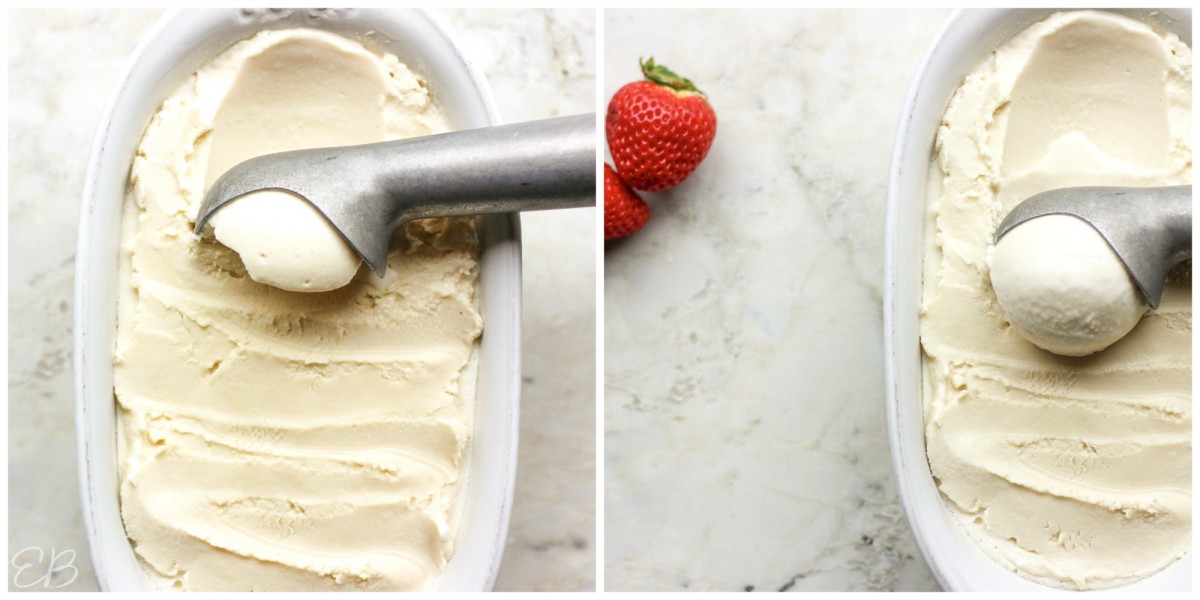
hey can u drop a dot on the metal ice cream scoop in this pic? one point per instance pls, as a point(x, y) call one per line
point(368, 191)
point(1150, 228)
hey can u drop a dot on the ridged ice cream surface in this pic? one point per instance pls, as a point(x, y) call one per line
point(1072, 472)
point(275, 440)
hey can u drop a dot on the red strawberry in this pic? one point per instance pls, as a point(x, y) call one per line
point(659, 129)
point(624, 211)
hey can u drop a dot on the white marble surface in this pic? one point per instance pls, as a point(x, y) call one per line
point(64, 63)
point(745, 444)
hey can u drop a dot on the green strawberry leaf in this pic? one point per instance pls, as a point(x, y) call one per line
point(661, 75)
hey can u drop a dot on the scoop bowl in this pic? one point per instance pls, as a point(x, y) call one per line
point(1149, 228)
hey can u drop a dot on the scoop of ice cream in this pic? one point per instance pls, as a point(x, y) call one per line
point(286, 242)
point(1063, 287)
point(301, 90)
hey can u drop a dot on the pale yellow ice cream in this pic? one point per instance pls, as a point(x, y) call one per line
point(286, 242)
point(273, 440)
point(1070, 471)
point(1062, 287)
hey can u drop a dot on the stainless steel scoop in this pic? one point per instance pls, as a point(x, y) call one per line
point(1149, 228)
point(368, 191)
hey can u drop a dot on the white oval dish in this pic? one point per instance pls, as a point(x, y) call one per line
point(967, 38)
point(177, 45)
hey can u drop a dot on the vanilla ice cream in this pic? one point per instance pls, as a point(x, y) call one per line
point(286, 242)
point(1063, 287)
point(272, 440)
point(1073, 472)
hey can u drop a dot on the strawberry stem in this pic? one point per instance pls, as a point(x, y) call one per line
point(663, 76)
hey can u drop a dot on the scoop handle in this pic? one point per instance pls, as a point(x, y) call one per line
point(1176, 216)
point(535, 165)
point(368, 191)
